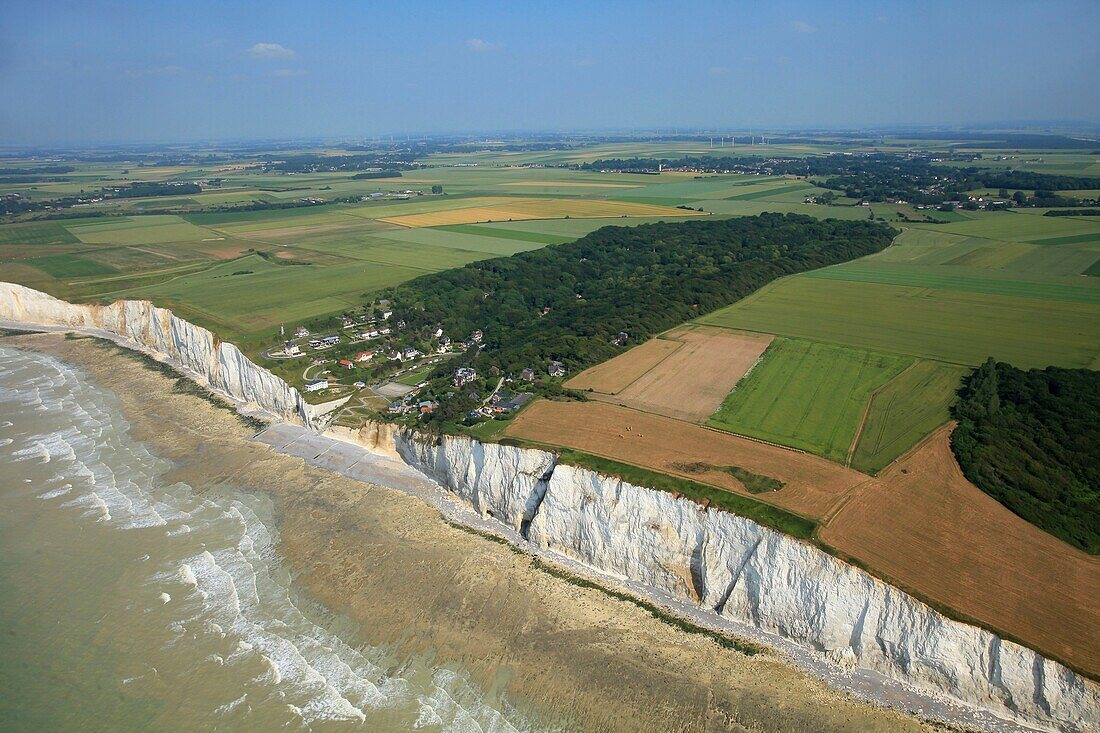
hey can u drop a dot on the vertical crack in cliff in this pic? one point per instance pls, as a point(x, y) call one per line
point(534, 502)
point(697, 565)
point(721, 606)
point(855, 641)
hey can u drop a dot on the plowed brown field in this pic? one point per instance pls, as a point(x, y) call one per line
point(684, 374)
point(920, 524)
point(813, 484)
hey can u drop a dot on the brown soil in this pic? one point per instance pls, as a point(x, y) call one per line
point(813, 484)
point(685, 374)
point(416, 585)
point(615, 375)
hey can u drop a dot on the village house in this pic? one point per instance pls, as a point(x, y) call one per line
point(347, 364)
point(291, 349)
point(557, 369)
point(316, 385)
point(364, 356)
point(527, 375)
point(476, 336)
point(347, 322)
point(386, 315)
point(464, 375)
point(620, 339)
point(438, 333)
point(384, 331)
point(315, 343)
point(359, 385)
point(409, 353)
point(301, 332)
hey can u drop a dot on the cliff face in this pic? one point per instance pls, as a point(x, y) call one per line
point(219, 364)
point(740, 570)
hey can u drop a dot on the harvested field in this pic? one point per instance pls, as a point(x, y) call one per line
point(923, 525)
point(615, 375)
point(659, 443)
point(684, 374)
point(519, 209)
point(571, 184)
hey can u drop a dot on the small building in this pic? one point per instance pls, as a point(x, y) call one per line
point(384, 331)
point(359, 385)
point(527, 375)
point(476, 336)
point(364, 356)
point(557, 369)
point(330, 340)
point(291, 349)
point(301, 332)
point(315, 343)
point(409, 353)
point(386, 314)
point(620, 339)
point(438, 333)
point(347, 364)
point(316, 385)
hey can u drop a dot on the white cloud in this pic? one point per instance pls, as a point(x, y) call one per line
point(270, 51)
point(288, 72)
point(801, 26)
point(481, 46)
point(718, 71)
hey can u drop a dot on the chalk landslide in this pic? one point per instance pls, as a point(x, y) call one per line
point(738, 569)
point(219, 364)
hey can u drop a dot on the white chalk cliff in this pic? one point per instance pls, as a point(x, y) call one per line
point(727, 564)
point(219, 364)
point(740, 570)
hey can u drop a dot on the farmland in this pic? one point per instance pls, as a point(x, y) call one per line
point(807, 395)
point(685, 373)
point(956, 327)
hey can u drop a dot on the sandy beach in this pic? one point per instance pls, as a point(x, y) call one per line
point(565, 654)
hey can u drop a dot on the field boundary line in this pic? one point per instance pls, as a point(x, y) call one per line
point(647, 371)
point(867, 411)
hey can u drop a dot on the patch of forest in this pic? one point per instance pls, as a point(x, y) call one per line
point(1031, 440)
point(568, 302)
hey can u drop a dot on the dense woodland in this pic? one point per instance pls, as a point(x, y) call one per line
point(1031, 440)
point(568, 302)
point(919, 178)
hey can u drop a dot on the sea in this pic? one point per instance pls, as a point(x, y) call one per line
point(132, 603)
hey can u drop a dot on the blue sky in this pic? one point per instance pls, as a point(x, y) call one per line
point(158, 71)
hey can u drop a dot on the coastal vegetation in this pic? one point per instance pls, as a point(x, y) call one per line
point(1031, 440)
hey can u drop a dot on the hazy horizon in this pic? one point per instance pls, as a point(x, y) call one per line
point(132, 72)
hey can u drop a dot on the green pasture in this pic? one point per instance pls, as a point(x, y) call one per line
point(807, 395)
point(904, 410)
point(951, 326)
point(269, 294)
point(45, 232)
point(69, 265)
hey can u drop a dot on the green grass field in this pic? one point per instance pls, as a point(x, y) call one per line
point(904, 410)
point(46, 232)
point(269, 294)
point(68, 265)
point(807, 395)
point(956, 327)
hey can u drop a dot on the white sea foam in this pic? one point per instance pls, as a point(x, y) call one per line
point(224, 585)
